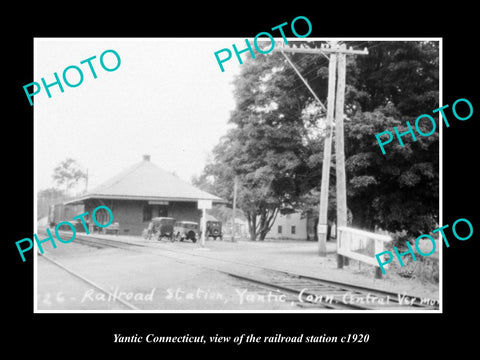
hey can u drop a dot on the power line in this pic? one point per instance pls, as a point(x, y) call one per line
point(305, 82)
point(337, 56)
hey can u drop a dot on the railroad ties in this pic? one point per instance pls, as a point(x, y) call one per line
point(305, 292)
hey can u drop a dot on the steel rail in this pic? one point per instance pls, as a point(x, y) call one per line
point(315, 281)
point(91, 283)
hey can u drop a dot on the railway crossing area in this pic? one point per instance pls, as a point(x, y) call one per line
point(128, 273)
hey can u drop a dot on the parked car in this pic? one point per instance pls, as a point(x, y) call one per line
point(160, 227)
point(186, 230)
point(214, 229)
point(112, 229)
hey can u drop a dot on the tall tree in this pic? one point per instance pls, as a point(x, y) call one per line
point(264, 148)
point(68, 173)
point(395, 83)
point(275, 145)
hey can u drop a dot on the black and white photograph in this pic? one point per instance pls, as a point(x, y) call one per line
point(227, 180)
point(183, 180)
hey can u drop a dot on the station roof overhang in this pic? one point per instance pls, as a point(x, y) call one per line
point(82, 199)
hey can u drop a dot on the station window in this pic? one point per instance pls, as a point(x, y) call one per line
point(294, 229)
point(163, 210)
point(279, 229)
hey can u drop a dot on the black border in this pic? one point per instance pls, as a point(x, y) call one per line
point(397, 332)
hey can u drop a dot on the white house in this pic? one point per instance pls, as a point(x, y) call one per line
point(289, 226)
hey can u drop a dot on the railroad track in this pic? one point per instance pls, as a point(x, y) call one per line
point(314, 293)
point(305, 291)
point(102, 243)
point(109, 294)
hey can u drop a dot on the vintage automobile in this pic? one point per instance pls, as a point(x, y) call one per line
point(159, 228)
point(186, 230)
point(214, 229)
point(112, 229)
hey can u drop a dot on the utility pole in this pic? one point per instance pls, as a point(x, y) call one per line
point(235, 185)
point(204, 226)
point(340, 149)
point(335, 107)
point(86, 182)
point(327, 155)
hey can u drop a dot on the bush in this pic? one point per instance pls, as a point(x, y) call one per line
point(423, 269)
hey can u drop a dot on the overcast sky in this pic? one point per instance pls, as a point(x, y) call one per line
point(168, 99)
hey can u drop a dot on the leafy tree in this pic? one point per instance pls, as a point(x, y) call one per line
point(254, 195)
point(401, 73)
point(265, 146)
point(395, 83)
point(276, 143)
point(68, 173)
point(397, 191)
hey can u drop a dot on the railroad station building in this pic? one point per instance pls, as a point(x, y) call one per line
point(141, 192)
